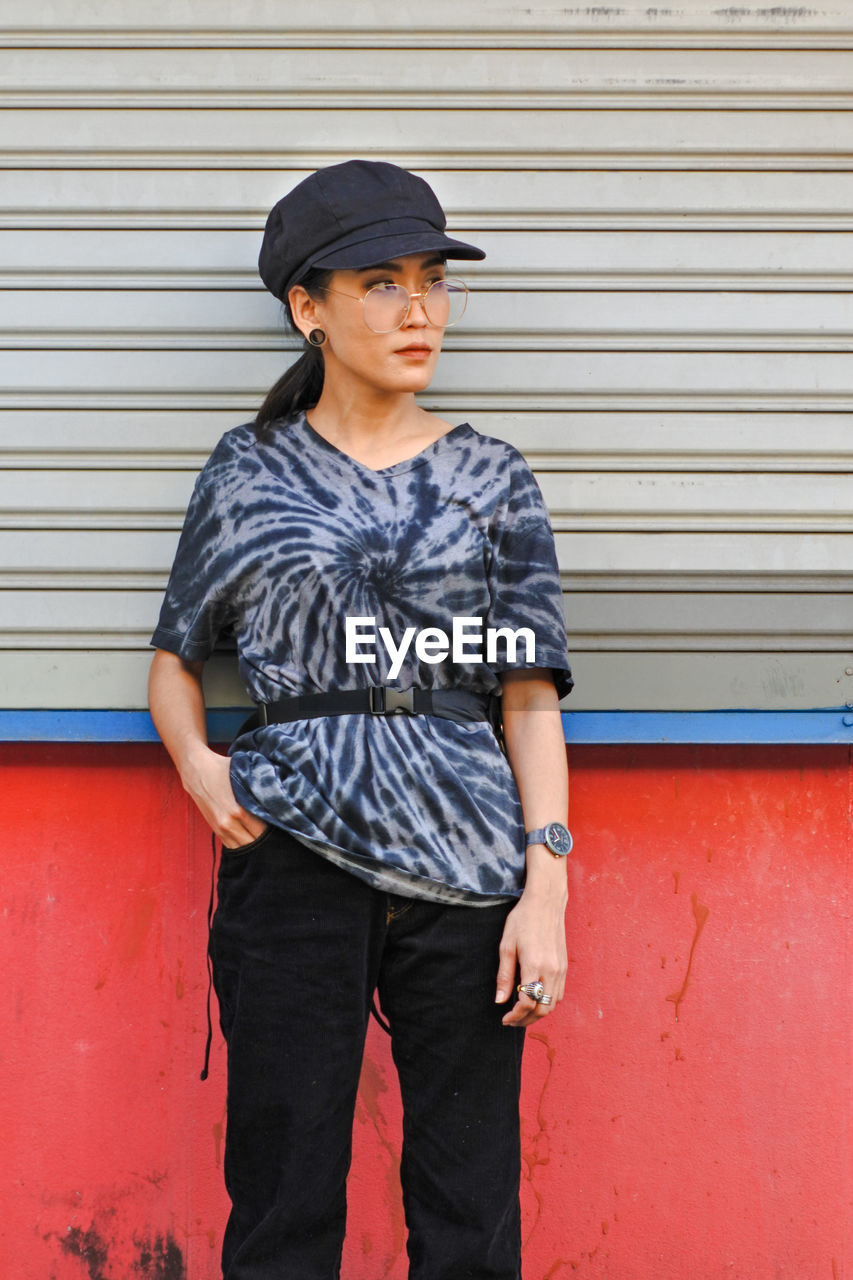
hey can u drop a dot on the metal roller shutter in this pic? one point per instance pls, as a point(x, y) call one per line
point(663, 323)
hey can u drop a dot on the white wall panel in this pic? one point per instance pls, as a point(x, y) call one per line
point(469, 379)
point(540, 261)
point(552, 77)
point(559, 199)
point(565, 441)
point(447, 23)
point(706, 621)
point(636, 502)
point(663, 323)
point(780, 681)
point(195, 137)
point(673, 320)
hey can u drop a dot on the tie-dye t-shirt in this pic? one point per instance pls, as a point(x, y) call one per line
point(286, 538)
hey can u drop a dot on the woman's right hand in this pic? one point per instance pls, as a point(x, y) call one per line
point(207, 779)
point(176, 699)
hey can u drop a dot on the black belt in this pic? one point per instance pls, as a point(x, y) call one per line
point(461, 705)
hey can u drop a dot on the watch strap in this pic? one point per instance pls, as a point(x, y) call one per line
point(540, 836)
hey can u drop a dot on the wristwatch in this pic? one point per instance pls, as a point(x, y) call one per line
point(555, 837)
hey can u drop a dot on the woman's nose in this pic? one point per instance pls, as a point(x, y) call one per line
point(417, 313)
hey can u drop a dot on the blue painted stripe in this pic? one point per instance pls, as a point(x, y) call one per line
point(834, 724)
point(104, 726)
point(831, 725)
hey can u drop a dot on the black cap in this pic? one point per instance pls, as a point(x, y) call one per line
point(353, 215)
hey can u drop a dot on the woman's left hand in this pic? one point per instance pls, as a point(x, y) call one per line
point(534, 942)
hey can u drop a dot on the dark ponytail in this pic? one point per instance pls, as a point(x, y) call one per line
point(300, 386)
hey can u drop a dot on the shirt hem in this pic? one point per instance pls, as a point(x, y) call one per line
point(380, 875)
point(173, 642)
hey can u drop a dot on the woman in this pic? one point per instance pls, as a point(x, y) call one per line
point(373, 841)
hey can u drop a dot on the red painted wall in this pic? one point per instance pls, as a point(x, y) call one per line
point(686, 1110)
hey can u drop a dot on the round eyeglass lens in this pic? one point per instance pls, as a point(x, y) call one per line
point(386, 306)
point(445, 302)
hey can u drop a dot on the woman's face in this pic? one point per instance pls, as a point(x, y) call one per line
point(401, 361)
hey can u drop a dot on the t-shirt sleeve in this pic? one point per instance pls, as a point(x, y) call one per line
point(524, 581)
point(196, 606)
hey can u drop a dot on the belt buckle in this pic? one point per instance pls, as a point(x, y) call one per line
point(386, 701)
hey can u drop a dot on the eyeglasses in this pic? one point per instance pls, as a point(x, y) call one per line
point(386, 306)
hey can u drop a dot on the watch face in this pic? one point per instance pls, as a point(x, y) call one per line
point(558, 839)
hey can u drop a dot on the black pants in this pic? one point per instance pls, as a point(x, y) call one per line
point(298, 948)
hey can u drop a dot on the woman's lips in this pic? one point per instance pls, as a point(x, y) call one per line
point(414, 349)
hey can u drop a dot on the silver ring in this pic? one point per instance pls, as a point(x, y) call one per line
point(545, 999)
point(536, 990)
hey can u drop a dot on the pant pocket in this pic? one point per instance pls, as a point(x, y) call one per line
point(250, 847)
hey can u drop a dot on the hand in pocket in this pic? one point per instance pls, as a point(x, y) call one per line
point(209, 784)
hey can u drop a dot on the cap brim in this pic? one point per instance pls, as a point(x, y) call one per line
point(368, 253)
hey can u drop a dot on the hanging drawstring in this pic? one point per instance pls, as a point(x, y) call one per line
point(374, 1009)
point(204, 1069)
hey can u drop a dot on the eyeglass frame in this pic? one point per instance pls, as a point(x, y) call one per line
point(422, 293)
